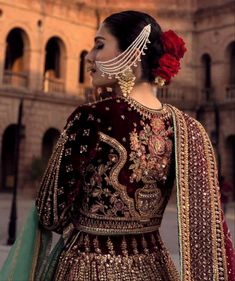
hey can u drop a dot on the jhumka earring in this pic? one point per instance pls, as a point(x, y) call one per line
point(126, 82)
point(120, 66)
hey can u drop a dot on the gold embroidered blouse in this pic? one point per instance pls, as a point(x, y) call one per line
point(111, 175)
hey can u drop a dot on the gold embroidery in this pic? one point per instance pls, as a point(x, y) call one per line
point(149, 200)
point(219, 254)
point(100, 200)
point(116, 170)
point(105, 225)
point(147, 112)
point(200, 223)
point(48, 192)
point(142, 259)
point(181, 149)
point(151, 152)
point(106, 206)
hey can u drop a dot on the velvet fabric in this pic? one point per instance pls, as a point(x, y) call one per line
point(206, 250)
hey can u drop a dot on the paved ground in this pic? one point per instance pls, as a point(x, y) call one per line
point(168, 228)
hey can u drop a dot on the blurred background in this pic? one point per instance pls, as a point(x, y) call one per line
point(43, 44)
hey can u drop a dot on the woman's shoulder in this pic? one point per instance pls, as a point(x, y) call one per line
point(93, 110)
point(99, 104)
point(186, 121)
point(104, 104)
point(181, 114)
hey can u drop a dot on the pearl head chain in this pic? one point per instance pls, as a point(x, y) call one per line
point(128, 58)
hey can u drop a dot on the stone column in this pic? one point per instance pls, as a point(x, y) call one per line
point(2, 59)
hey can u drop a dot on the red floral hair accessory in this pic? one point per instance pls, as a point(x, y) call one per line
point(169, 63)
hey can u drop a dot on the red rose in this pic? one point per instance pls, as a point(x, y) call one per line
point(173, 44)
point(168, 67)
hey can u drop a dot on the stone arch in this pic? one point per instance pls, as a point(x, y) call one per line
point(17, 56)
point(226, 40)
point(230, 58)
point(230, 70)
point(206, 50)
point(82, 67)
point(230, 165)
point(49, 140)
point(8, 157)
point(206, 85)
point(55, 65)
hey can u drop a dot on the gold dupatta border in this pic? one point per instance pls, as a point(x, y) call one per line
point(181, 144)
point(216, 265)
point(217, 227)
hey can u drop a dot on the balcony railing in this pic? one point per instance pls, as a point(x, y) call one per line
point(15, 79)
point(230, 92)
point(53, 85)
point(170, 94)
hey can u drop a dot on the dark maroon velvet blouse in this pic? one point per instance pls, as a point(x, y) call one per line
point(145, 134)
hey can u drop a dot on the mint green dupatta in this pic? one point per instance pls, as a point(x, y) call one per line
point(28, 256)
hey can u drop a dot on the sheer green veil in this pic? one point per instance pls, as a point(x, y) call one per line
point(28, 257)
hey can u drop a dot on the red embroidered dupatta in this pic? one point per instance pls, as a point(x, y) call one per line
point(206, 251)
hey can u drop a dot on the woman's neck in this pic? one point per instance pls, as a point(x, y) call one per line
point(144, 93)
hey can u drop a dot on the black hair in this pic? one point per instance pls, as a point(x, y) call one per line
point(126, 26)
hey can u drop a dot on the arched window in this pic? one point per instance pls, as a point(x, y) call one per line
point(232, 64)
point(230, 151)
point(48, 143)
point(82, 72)
point(206, 76)
point(8, 157)
point(230, 58)
point(54, 69)
point(16, 58)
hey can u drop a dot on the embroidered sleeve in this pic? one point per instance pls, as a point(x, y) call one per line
point(60, 186)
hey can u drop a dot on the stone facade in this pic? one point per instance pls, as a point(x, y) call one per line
point(214, 39)
point(42, 49)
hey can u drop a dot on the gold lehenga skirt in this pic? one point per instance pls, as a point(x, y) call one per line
point(119, 258)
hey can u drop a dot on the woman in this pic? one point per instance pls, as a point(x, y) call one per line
point(111, 174)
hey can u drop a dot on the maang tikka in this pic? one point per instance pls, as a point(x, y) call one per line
point(120, 66)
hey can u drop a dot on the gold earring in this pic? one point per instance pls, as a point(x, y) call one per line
point(126, 81)
point(160, 82)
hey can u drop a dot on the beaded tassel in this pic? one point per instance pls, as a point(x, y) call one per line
point(126, 82)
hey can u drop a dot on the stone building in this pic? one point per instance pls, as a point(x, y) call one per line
point(42, 49)
point(214, 65)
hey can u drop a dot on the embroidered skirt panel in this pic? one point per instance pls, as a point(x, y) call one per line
point(118, 258)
